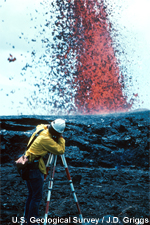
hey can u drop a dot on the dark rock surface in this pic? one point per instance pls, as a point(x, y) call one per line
point(108, 159)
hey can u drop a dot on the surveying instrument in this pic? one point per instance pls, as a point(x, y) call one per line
point(52, 159)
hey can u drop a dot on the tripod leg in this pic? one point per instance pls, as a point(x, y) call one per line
point(71, 185)
point(50, 186)
point(49, 162)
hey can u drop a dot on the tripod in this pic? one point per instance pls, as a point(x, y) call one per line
point(52, 159)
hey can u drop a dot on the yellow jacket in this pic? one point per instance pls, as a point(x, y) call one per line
point(44, 144)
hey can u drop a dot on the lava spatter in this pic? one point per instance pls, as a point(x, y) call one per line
point(77, 71)
point(99, 82)
point(11, 58)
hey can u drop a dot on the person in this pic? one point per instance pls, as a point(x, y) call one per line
point(50, 140)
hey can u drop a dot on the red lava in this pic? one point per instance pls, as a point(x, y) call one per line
point(99, 81)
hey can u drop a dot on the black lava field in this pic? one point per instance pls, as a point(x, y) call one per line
point(108, 160)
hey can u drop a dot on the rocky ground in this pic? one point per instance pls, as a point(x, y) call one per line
point(108, 159)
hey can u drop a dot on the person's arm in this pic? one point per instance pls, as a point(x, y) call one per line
point(52, 146)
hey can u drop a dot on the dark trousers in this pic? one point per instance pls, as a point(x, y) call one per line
point(35, 189)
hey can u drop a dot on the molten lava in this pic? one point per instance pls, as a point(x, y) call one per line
point(98, 80)
point(84, 76)
point(11, 58)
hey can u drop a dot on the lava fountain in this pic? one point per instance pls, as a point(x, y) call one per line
point(83, 74)
point(98, 80)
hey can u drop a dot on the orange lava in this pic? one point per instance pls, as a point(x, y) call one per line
point(11, 58)
point(98, 80)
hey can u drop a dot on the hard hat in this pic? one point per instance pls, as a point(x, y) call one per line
point(58, 125)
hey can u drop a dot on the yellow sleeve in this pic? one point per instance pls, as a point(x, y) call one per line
point(50, 145)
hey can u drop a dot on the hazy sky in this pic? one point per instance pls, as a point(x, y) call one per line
point(21, 25)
